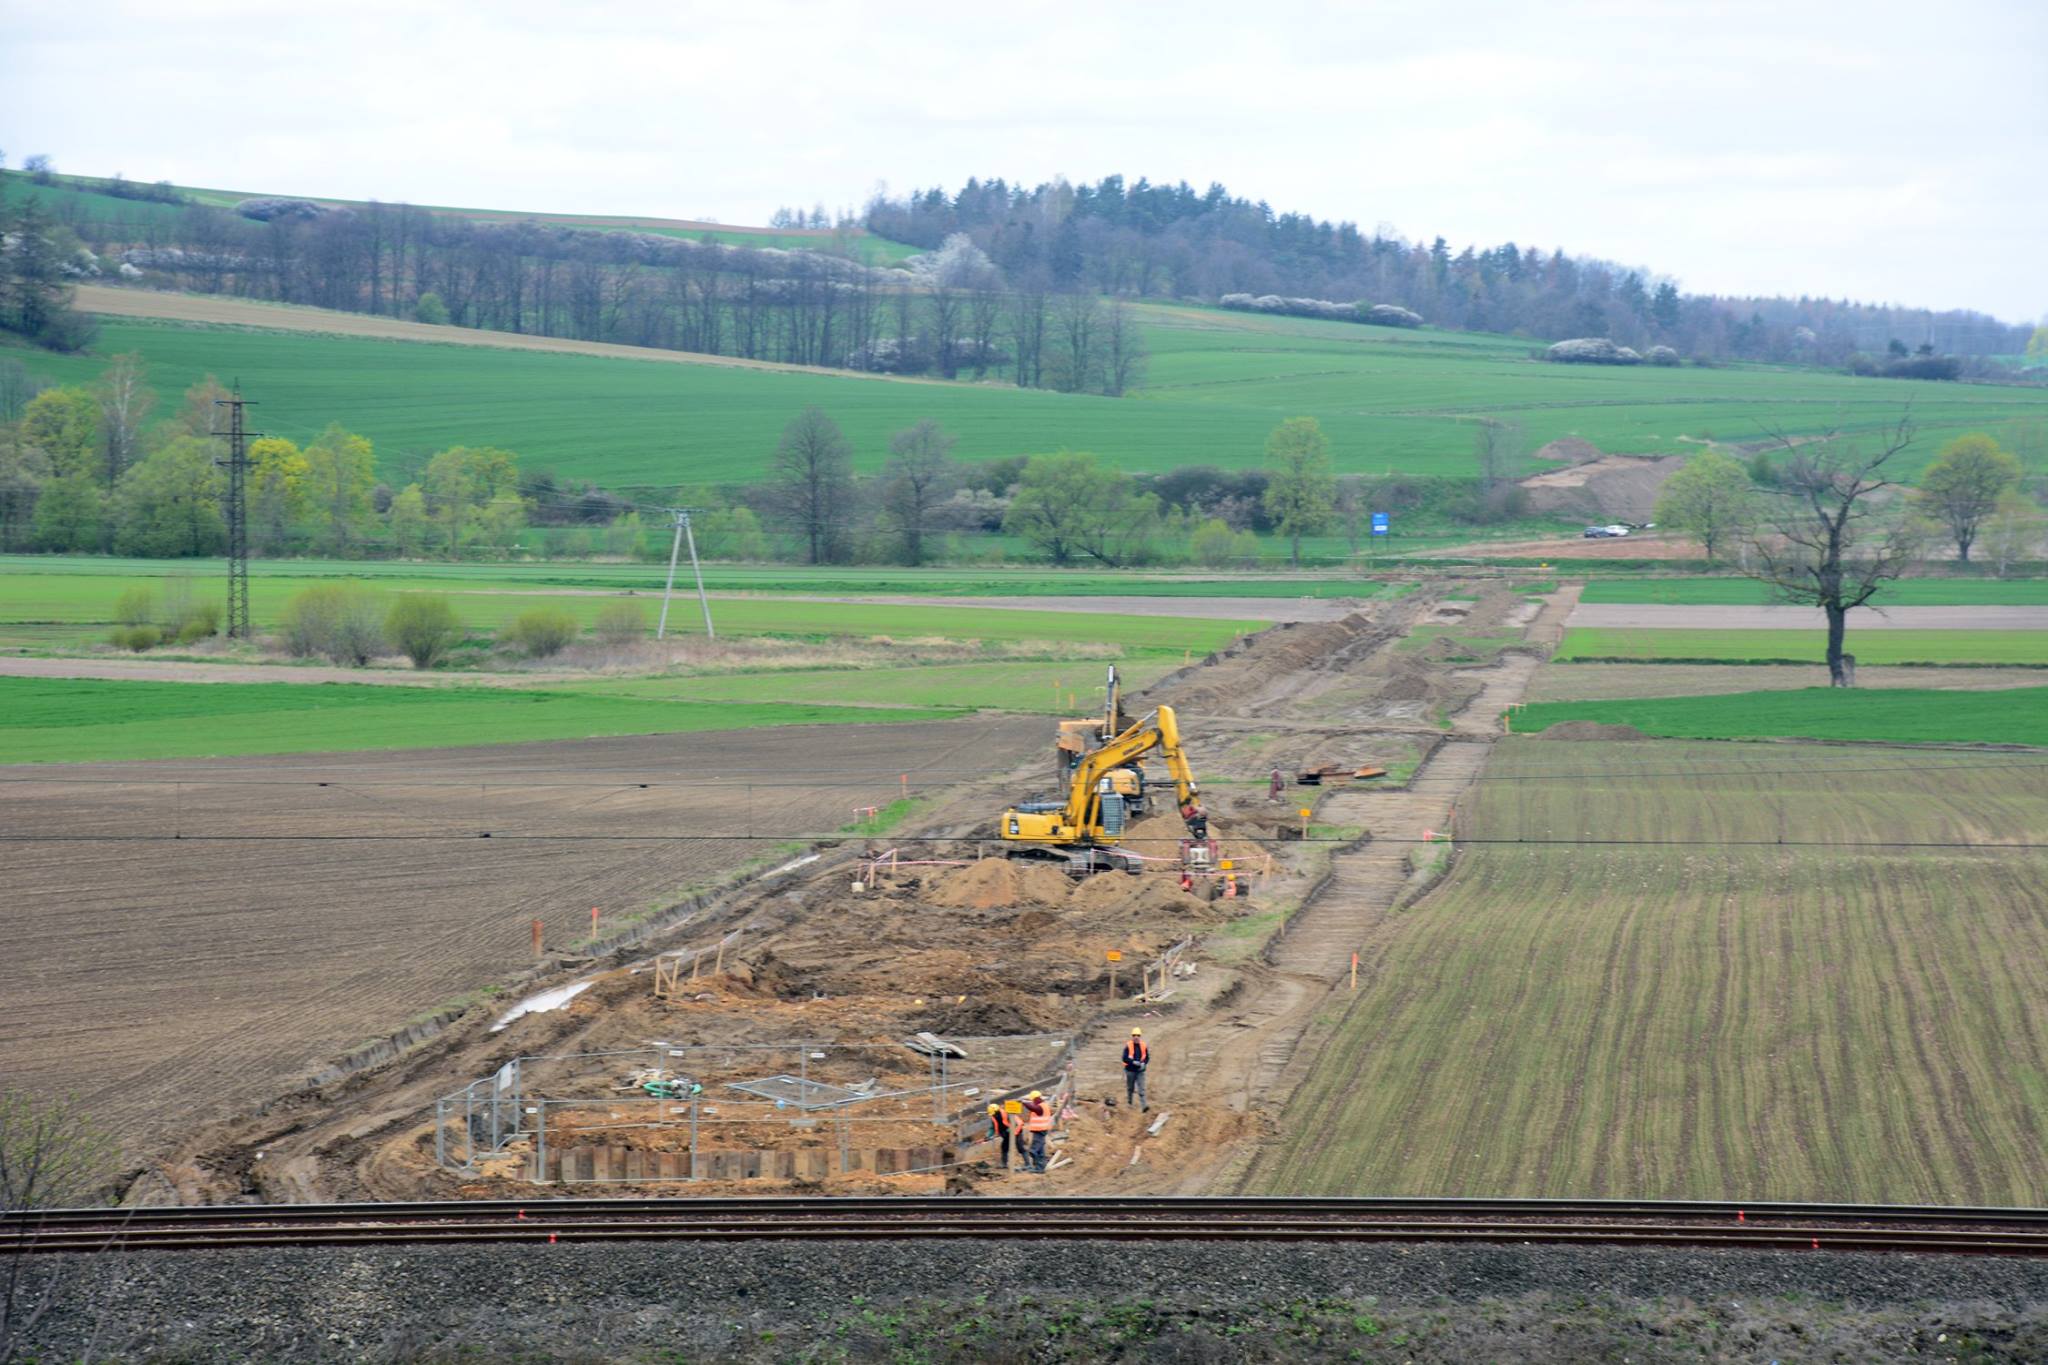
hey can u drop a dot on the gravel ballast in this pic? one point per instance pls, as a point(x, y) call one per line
point(980, 1300)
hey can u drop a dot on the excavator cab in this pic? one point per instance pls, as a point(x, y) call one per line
point(1106, 789)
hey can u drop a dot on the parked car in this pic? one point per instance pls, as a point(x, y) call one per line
point(1605, 532)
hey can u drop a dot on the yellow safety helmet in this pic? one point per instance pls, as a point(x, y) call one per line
point(1137, 1033)
point(1036, 1095)
point(992, 1108)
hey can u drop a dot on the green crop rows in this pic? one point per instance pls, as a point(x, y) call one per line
point(1900, 715)
point(1688, 1017)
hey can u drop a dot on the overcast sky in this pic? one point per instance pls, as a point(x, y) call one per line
point(1881, 151)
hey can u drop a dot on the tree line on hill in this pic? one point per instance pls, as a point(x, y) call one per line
point(1021, 285)
point(1172, 241)
point(95, 469)
point(948, 312)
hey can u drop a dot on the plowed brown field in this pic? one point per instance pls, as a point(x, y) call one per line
point(160, 973)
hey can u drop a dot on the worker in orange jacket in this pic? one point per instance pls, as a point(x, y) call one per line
point(1137, 1057)
point(1037, 1123)
point(1001, 1130)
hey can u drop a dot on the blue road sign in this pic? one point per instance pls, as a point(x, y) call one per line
point(1379, 523)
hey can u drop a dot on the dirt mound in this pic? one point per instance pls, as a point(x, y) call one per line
point(992, 1016)
point(1591, 729)
point(998, 883)
point(1613, 487)
point(1144, 894)
point(1571, 450)
point(769, 975)
point(1409, 680)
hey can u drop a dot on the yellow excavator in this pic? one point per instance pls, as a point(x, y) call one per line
point(1105, 788)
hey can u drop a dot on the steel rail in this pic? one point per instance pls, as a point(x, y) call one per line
point(542, 1204)
point(1841, 1227)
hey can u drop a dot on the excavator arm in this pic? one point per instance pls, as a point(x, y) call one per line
point(1078, 821)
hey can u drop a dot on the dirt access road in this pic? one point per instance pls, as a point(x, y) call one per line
point(185, 939)
point(1275, 609)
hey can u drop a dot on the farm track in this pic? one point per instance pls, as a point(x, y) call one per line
point(1807, 1227)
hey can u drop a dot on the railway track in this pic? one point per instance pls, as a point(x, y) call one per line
point(1647, 1223)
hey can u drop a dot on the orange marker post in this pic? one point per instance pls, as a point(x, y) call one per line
point(1354, 971)
point(593, 921)
point(536, 938)
point(1114, 958)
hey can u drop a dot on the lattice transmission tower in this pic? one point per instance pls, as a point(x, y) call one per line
point(237, 466)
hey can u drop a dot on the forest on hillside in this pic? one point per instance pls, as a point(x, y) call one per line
point(1028, 286)
point(1171, 241)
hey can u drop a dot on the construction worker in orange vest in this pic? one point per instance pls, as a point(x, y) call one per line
point(1137, 1056)
point(1037, 1123)
point(999, 1128)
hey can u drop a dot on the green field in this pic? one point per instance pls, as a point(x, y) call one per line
point(1680, 645)
point(1901, 715)
point(1747, 592)
point(830, 580)
point(1699, 1020)
point(67, 600)
point(1390, 400)
point(1071, 688)
point(81, 721)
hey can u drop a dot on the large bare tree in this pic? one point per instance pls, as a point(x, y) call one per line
point(814, 483)
point(1124, 350)
point(918, 475)
point(1824, 539)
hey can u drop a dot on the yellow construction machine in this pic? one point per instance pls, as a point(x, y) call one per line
point(1105, 788)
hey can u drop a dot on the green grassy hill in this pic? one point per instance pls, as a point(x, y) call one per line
point(75, 198)
point(1391, 401)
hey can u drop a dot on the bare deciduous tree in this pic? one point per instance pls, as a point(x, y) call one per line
point(814, 483)
point(50, 1158)
point(1498, 447)
point(1077, 318)
point(125, 403)
point(918, 475)
point(1123, 350)
point(1820, 542)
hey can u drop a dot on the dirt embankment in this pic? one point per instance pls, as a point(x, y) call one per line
point(1597, 487)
